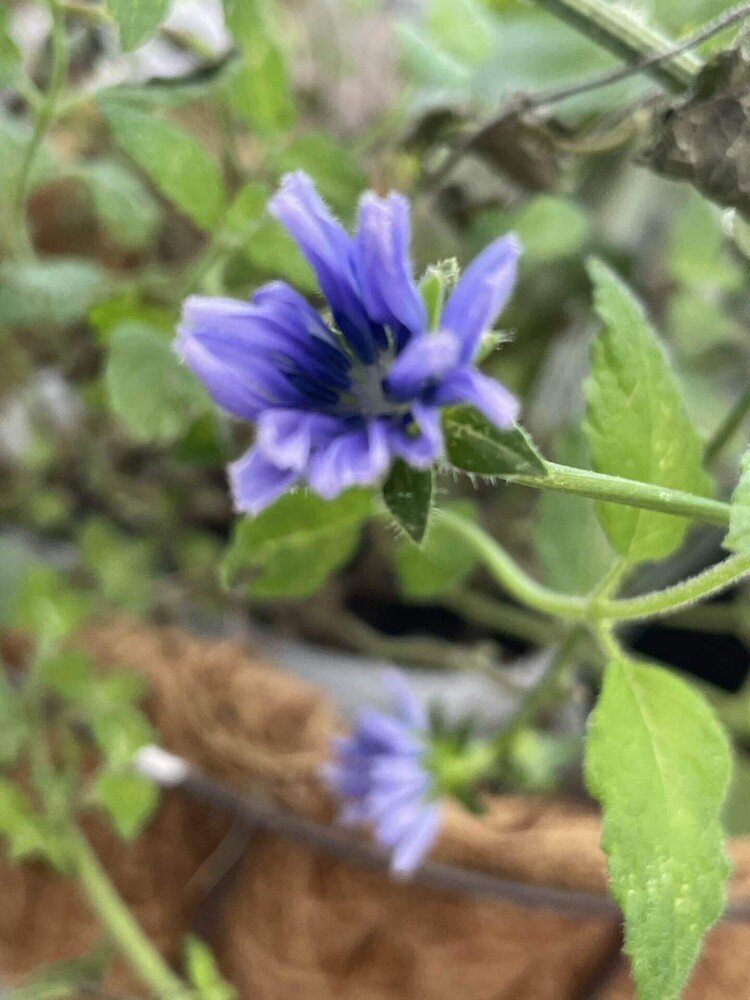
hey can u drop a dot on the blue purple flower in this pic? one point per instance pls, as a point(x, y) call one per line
point(335, 402)
point(380, 773)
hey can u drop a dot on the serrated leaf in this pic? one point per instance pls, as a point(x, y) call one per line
point(636, 422)
point(442, 561)
point(58, 291)
point(659, 763)
point(475, 445)
point(175, 161)
point(152, 393)
point(293, 546)
point(129, 799)
point(408, 495)
point(572, 548)
point(137, 20)
point(738, 536)
point(124, 206)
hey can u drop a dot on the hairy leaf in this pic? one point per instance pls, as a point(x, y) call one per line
point(473, 444)
point(636, 422)
point(291, 547)
point(659, 763)
point(408, 494)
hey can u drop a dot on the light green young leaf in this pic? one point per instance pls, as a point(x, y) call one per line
point(442, 561)
point(137, 20)
point(58, 291)
point(293, 546)
point(177, 164)
point(568, 538)
point(69, 674)
point(154, 395)
point(636, 422)
point(408, 495)
point(473, 444)
point(125, 207)
point(659, 763)
point(129, 799)
point(203, 973)
point(119, 733)
point(26, 834)
point(738, 536)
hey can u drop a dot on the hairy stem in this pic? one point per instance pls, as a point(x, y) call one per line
point(616, 29)
point(119, 923)
point(499, 616)
point(45, 112)
point(596, 486)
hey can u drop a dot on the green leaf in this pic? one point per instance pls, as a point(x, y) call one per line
point(473, 444)
point(123, 566)
point(636, 422)
point(738, 536)
point(137, 20)
point(119, 733)
point(14, 727)
point(26, 834)
point(568, 538)
point(408, 495)
point(15, 137)
point(293, 546)
point(69, 674)
point(129, 799)
point(698, 253)
point(58, 291)
point(47, 606)
point(247, 211)
point(177, 164)
point(438, 565)
point(203, 973)
point(659, 763)
point(149, 389)
point(274, 253)
point(66, 979)
point(126, 209)
point(336, 173)
point(10, 58)
point(550, 227)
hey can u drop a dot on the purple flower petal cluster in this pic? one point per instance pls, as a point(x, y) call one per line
point(379, 772)
point(336, 402)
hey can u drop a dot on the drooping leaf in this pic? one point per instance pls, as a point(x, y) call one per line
point(636, 422)
point(438, 565)
point(291, 547)
point(408, 495)
point(175, 161)
point(137, 20)
point(129, 799)
point(473, 444)
point(659, 763)
point(152, 393)
point(56, 292)
point(738, 536)
point(568, 538)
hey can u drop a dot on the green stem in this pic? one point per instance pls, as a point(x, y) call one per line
point(44, 116)
point(727, 428)
point(515, 580)
point(596, 486)
point(117, 920)
point(614, 28)
point(663, 602)
point(499, 616)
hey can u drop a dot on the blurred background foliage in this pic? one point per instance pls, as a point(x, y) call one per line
point(166, 138)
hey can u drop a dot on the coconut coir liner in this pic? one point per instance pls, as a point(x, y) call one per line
point(296, 923)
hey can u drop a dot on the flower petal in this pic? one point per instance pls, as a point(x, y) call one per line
point(383, 266)
point(416, 842)
point(489, 396)
point(481, 293)
point(359, 456)
point(256, 482)
point(408, 704)
point(287, 437)
point(418, 439)
point(379, 733)
point(425, 359)
point(329, 249)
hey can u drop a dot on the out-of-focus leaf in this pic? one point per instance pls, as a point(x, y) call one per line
point(58, 291)
point(27, 835)
point(106, 316)
point(15, 137)
point(125, 207)
point(123, 566)
point(14, 726)
point(568, 538)
point(473, 444)
point(293, 546)
point(16, 559)
point(129, 800)
point(440, 563)
point(245, 214)
point(636, 422)
point(137, 20)
point(550, 227)
point(337, 175)
point(698, 255)
point(10, 58)
point(47, 606)
point(697, 324)
point(738, 536)
point(462, 28)
point(203, 972)
point(273, 252)
point(69, 674)
point(119, 733)
point(659, 763)
point(149, 389)
point(65, 980)
point(176, 162)
point(408, 495)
